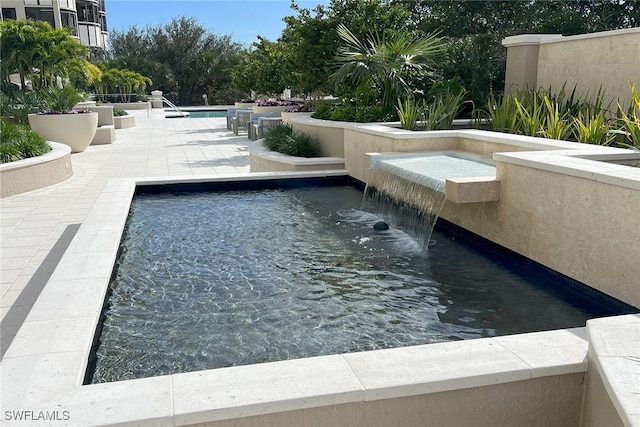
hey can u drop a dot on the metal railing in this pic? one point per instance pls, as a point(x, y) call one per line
point(174, 107)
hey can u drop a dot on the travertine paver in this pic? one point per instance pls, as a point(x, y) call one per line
point(36, 227)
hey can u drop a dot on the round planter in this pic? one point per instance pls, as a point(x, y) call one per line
point(245, 105)
point(74, 130)
point(276, 110)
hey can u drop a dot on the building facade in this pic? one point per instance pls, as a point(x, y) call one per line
point(86, 19)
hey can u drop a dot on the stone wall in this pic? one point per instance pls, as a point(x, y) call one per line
point(606, 60)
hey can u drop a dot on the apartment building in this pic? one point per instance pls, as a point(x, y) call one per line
point(87, 19)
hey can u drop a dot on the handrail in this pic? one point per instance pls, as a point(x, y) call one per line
point(174, 107)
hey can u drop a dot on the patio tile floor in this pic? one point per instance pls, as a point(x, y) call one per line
point(36, 227)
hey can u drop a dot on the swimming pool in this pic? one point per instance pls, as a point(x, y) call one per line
point(213, 279)
point(194, 114)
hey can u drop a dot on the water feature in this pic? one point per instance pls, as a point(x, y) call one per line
point(408, 190)
point(214, 279)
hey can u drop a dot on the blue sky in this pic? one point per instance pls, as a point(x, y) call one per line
point(244, 20)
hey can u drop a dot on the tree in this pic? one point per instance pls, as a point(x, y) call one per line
point(182, 58)
point(122, 81)
point(389, 65)
point(39, 53)
point(307, 47)
point(263, 69)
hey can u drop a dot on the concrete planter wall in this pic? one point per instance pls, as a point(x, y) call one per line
point(330, 135)
point(264, 160)
point(245, 105)
point(276, 109)
point(74, 130)
point(131, 105)
point(36, 172)
point(124, 122)
point(288, 117)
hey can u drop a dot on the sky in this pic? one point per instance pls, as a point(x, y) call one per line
point(243, 20)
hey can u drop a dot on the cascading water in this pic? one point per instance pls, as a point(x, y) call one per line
point(403, 203)
point(408, 190)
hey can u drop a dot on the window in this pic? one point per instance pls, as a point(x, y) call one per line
point(9, 13)
point(40, 14)
point(87, 12)
point(103, 22)
point(69, 20)
point(38, 2)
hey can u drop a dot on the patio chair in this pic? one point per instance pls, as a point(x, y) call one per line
point(266, 123)
point(231, 112)
point(240, 121)
point(253, 121)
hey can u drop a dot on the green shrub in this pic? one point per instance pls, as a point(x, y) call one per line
point(20, 142)
point(346, 112)
point(323, 110)
point(283, 139)
point(118, 112)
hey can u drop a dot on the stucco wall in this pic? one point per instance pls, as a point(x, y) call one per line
point(550, 401)
point(580, 227)
point(607, 59)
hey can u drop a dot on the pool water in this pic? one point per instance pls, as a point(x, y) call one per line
point(206, 114)
point(215, 279)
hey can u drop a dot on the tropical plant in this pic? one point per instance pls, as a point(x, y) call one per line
point(16, 105)
point(19, 142)
point(442, 110)
point(530, 115)
point(39, 54)
point(121, 81)
point(409, 112)
point(503, 113)
point(593, 128)
point(630, 120)
point(283, 139)
point(62, 100)
point(387, 63)
point(554, 124)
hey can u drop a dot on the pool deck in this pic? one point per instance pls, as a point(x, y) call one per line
point(46, 364)
point(36, 227)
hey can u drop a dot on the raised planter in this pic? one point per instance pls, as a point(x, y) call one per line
point(140, 105)
point(36, 172)
point(245, 105)
point(288, 117)
point(124, 122)
point(276, 110)
point(74, 130)
point(261, 159)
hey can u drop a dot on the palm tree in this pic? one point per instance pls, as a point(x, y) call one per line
point(39, 53)
point(388, 64)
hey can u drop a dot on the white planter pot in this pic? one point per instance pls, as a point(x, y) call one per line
point(276, 110)
point(74, 130)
